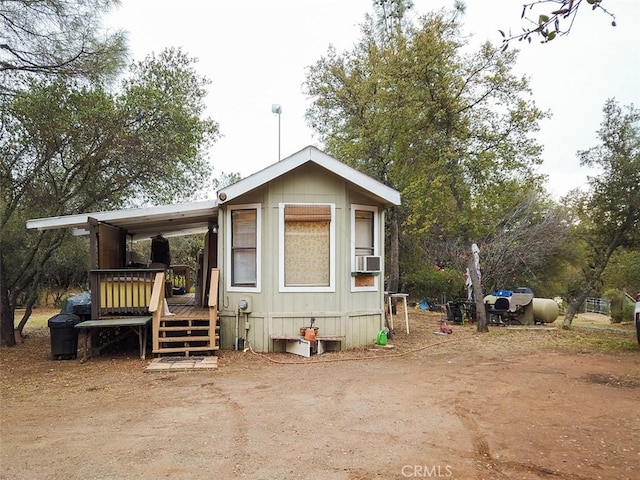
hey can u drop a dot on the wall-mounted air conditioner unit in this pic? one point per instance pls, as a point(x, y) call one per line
point(368, 263)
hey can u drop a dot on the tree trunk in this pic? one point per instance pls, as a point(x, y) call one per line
point(394, 252)
point(31, 299)
point(572, 311)
point(576, 303)
point(7, 335)
point(478, 296)
point(593, 278)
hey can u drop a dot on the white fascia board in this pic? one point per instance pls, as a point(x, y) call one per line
point(178, 232)
point(388, 194)
point(146, 234)
point(256, 180)
point(64, 221)
point(145, 213)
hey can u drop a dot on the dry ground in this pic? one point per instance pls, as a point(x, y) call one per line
point(529, 404)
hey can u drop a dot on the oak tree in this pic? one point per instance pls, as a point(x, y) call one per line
point(608, 213)
point(448, 129)
point(70, 146)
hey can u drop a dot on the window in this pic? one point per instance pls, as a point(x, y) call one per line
point(306, 247)
point(364, 232)
point(244, 252)
point(364, 228)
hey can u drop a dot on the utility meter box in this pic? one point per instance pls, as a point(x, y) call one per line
point(245, 305)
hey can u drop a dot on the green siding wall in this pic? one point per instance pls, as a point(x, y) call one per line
point(357, 316)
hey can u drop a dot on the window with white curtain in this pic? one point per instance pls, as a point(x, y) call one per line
point(307, 247)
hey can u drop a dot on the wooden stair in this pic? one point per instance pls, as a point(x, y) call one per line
point(187, 331)
point(189, 328)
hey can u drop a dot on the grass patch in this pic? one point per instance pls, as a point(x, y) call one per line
point(39, 317)
point(593, 333)
point(597, 340)
point(611, 344)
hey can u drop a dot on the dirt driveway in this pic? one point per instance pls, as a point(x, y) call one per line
point(503, 405)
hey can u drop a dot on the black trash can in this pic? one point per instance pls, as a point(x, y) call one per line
point(64, 336)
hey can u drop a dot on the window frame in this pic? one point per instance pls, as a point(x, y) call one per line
point(229, 256)
point(281, 253)
point(376, 246)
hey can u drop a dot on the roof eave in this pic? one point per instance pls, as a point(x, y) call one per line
point(386, 195)
point(194, 210)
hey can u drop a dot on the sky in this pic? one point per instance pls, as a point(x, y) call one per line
point(256, 52)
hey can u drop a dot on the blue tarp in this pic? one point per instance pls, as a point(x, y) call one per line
point(78, 304)
point(502, 293)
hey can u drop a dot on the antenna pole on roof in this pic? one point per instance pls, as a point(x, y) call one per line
point(277, 109)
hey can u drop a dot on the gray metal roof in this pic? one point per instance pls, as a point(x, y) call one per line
point(168, 220)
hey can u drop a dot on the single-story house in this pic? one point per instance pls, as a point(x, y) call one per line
point(302, 239)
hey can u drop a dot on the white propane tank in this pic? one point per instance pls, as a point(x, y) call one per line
point(545, 310)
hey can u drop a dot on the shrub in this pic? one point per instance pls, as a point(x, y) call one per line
point(621, 309)
point(432, 282)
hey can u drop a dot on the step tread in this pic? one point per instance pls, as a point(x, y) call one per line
point(184, 327)
point(185, 349)
point(203, 338)
point(178, 318)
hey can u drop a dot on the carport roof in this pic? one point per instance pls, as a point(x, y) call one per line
point(168, 220)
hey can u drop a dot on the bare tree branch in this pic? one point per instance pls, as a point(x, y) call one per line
point(550, 23)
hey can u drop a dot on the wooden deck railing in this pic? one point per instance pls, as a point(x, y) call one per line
point(118, 292)
point(181, 276)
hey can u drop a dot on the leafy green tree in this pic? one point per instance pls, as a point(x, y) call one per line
point(68, 269)
point(56, 38)
point(609, 212)
point(432, 282)
point(40, 39)
point(623, 271)
point(226, 179)
point(69, 147)
point(449, 129)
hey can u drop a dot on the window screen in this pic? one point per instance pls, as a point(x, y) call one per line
point(243, 247)
point(364, 232)
point(307, 245)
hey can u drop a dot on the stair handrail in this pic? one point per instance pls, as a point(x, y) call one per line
point(156, 307)
point(157, 293)
point(213, 288)
point(213, 301)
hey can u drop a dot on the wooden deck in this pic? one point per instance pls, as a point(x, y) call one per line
point(178, 325)
point(186, 299)
point(187, 312)
point(184, 306)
